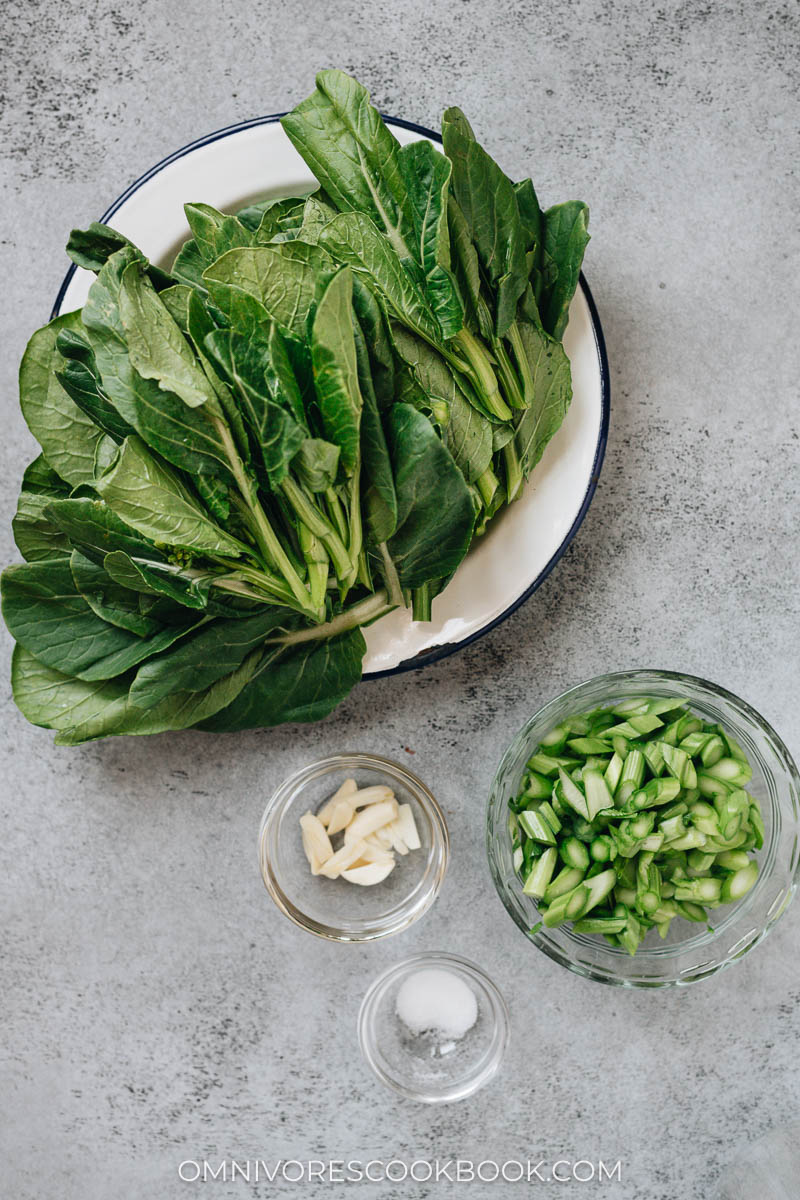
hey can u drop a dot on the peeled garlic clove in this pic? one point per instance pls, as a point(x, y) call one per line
point(370, 819)
point(371, 795)
point(376, 853)
point(397, 842)
point(381, 837)
point(406, 826)
point(340, 817)
point(347, 789)
point(316, 843)
point(369, 874)
point(349, 853)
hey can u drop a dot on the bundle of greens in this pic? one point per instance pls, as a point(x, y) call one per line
point(299, 427)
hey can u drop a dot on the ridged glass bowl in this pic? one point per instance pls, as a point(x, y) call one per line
point(690, 952)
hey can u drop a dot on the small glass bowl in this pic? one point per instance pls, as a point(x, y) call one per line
point(406, 1062)
point(690, 952)
point(332, 908)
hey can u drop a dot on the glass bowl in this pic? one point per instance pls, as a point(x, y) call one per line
point(332, 908)
point(416, 1066)
point(690, 952)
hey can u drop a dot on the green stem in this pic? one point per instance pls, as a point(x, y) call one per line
point(356, 533)
point(363, 574)
point(265, 535)
point(256, 575)
point(270, 589)
point(391, 577)
point(363, 613)
point(317, 563)
point(336, 513)
point(487, 484)
point(421, 602)
point(508, 376)
point(513, 470)
point(524, 366)
point(311, 516)
point(482, 373)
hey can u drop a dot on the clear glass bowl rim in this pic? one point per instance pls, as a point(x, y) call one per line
point(402, 916)
point(486, 1067)
point(617, 681)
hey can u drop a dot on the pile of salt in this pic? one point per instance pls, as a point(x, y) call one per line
point(438, 1002)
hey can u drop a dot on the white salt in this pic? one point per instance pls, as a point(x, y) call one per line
point(433, 1000)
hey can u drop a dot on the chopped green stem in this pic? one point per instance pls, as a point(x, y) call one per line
point(639, 844)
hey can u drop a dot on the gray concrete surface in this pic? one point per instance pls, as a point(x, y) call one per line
point(156, 1007)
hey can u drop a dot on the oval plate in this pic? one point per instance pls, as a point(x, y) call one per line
point(255, 160)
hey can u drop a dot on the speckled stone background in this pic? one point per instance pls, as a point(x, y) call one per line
point(156, 1007)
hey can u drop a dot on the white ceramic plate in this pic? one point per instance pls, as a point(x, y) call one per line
point(254, 160)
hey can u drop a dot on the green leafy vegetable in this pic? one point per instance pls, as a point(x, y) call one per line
point(301, 425)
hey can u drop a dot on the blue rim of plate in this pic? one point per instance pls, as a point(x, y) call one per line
point(436, 653)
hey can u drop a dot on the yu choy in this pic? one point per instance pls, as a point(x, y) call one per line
point(300, 426)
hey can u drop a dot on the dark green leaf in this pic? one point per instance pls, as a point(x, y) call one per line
point(79, 378)
point(378, 496)
point(530, 214)
point(468, 434)
point(245, 361)
point(565, 239)
point(552, 381)
point(157, 348)
point(35, 534)
point(110, 600)
point(91, 527)
point(82, 711)
point(150, 575)
point(47, 615)
point(91, 248)
point(152, 499)
point(426, 174)
point(487, 199)
point(354, 156)
point(379, 345)
point(201, 323)
point(67, 436)
point(352, 238)
point(215, 232)
point(316, 464)
point(303, 682)
point(434, 507)
point(189, 265)
point(176, 300)
point(189, 438)
point(333, 354)
point(203, 658)
point(286, 289)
